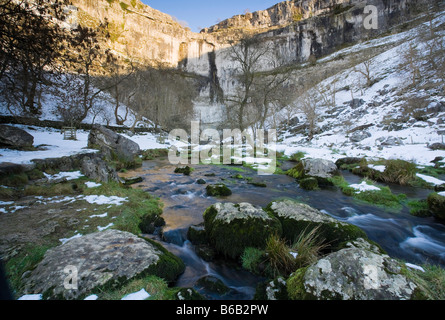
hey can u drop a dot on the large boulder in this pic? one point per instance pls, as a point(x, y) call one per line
point(15, 138)
point(113, 145)
point(320, 169)
point(232, 227)
point(359, 136)
point(296, 218)
point(98, 261)
point(94, 167)
point(353, 273)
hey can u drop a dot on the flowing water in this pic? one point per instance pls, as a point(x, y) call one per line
point(413, 239)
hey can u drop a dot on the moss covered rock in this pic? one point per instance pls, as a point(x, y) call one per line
point(185, 170)
point(218, 190)
point(352, 274)
point(297, 218)
point(309, 183)
point(233, 227)
point(320, 169)
point(197, 234)
point(436, 205)
point(101, 261)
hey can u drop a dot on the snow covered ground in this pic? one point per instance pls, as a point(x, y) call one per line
point(381, 108)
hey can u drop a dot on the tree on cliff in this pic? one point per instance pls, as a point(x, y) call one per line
point(262, 81)
point(31, 42)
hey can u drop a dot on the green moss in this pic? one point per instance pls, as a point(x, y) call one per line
point(197, 235)
point(14, 180)
point(419, 208)
point(185, 170)
point(295, 286)
point(332, 234)
point(218, 190)
point(309, 183)
point(151, 154)
point(252, 259)
point(27, 260)
point(430, 284)
point(296, 172)
point(140, 213)
point(383, 197)
point(436, 205)
point(169, 266)
point(230, 239)
point(297, 156)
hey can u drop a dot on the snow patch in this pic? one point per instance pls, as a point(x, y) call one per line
point(140, 295)
point(364, 187)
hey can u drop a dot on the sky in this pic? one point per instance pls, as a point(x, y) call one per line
point(204, 13)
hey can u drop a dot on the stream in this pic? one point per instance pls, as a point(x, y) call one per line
point(414, 239)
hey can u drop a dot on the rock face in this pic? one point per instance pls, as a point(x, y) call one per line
point(112, 144)
point(296, 29)
point(101, 259)
point(95, 168)
point(352, 274)
point(232, 227)
point(297, 217)
point(15, 138)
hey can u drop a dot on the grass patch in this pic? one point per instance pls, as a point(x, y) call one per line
point(151, 154)
point(418, 208)
point(139, 214)
point(431, 283)
point(19, 264)
point(279, 261)
point(383, 197)
point(297, 156)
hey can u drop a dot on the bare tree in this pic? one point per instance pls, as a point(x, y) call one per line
point(411, 59)
point(365, 70)
point(31, 45)
point(247, 54)
point(309, 106)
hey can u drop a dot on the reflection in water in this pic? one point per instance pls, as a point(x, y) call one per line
point(416, 240)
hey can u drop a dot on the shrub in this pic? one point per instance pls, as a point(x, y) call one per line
point(278, 258)
point(308, 245)
point(399, 172)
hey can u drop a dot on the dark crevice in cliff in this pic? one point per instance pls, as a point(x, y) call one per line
point(216, 92)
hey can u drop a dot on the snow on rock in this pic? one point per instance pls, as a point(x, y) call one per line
point(364, 187)
point(101, 199)
point(91, 184)
point(31, 297)
point(51, 145)
point(430, 179)
point(140, 295)
point(67, 175)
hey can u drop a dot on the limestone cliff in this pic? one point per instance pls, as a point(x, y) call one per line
point(295, 29)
